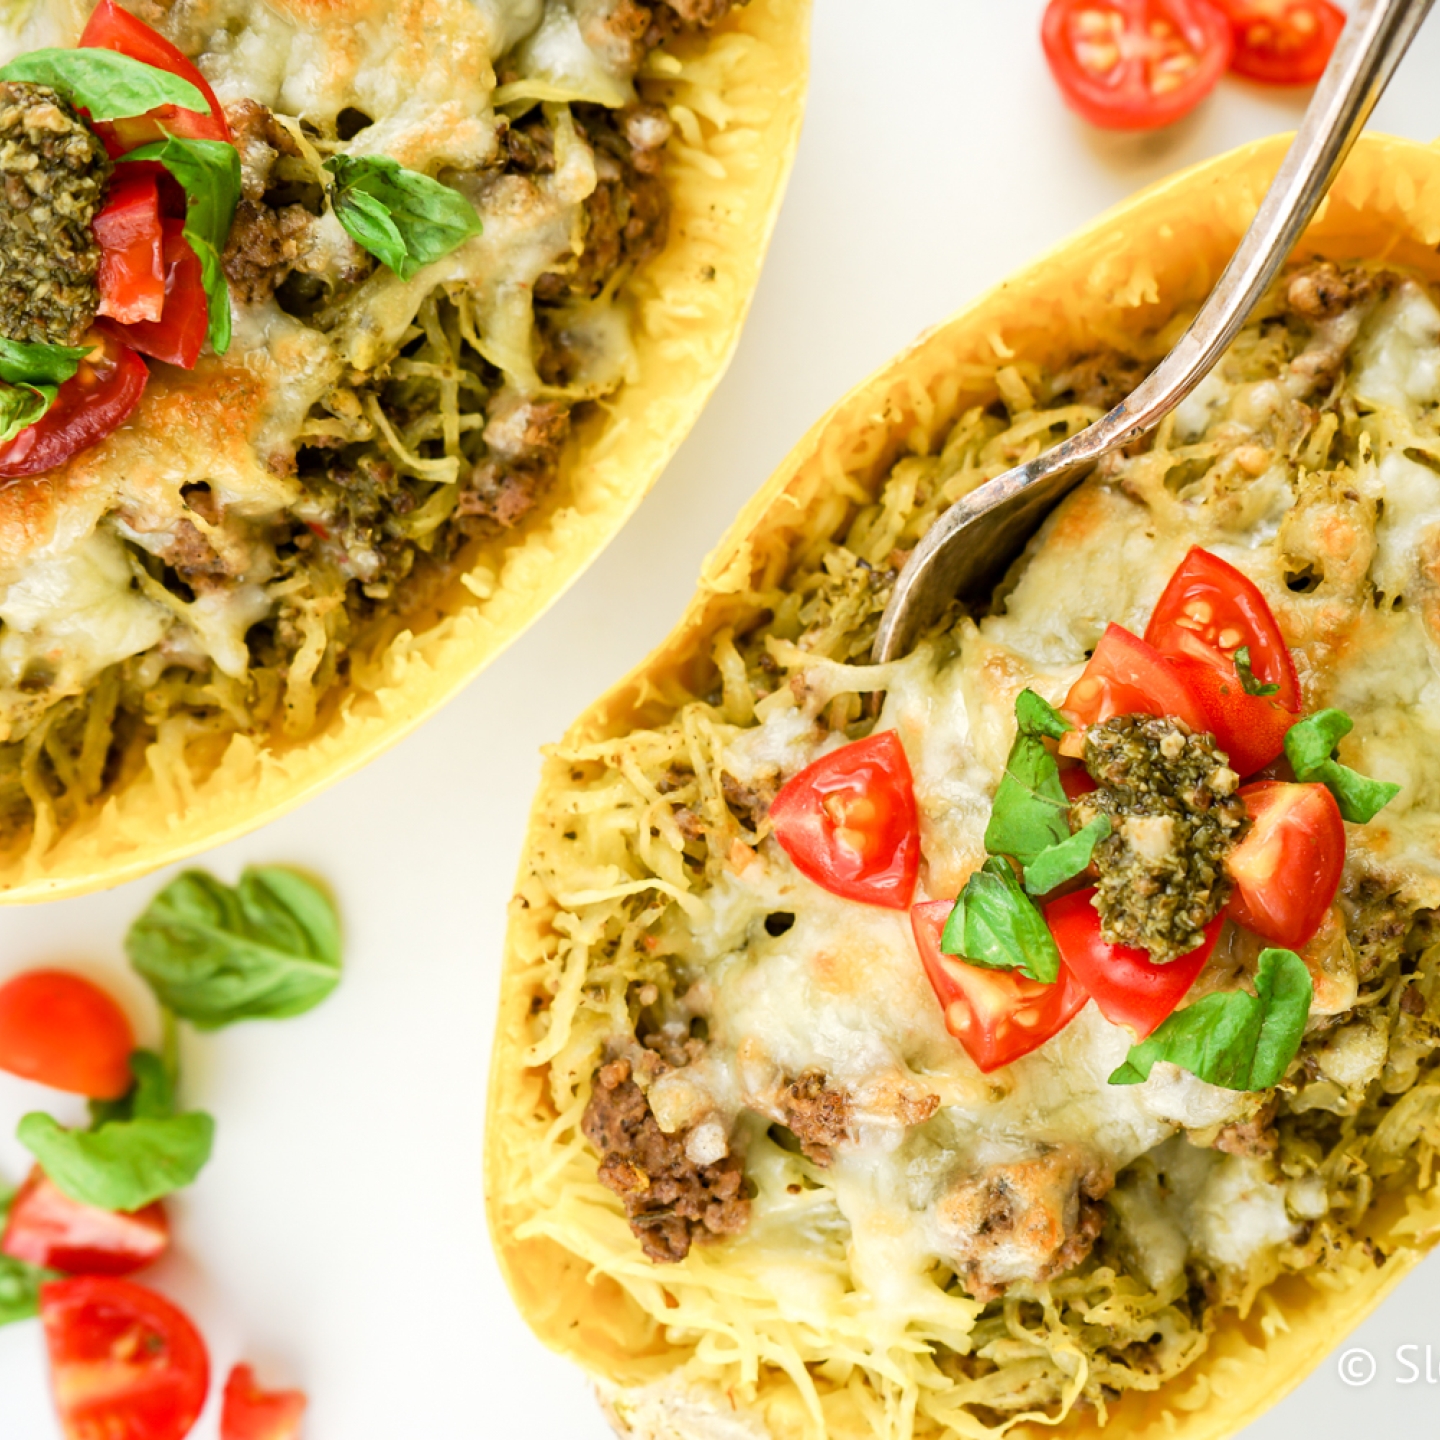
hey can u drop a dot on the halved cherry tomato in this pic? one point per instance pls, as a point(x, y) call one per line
point(125, 1364)
point(1126, 676)
point(127, 229)
point(1135, 64)
point(97, 399)
point(180, 332)
point(47, 1228)
point(997, 1015)
point(1124, 982)
point(251, 1413)
point(1075, 781)
point(1287, 869)
point(1283, 42)
point(63, 1031)
point(848, 822)
point(111, 28)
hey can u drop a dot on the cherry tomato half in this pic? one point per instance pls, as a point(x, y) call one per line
point(125, 1364)
point(127, 229)
point(1135, 64)
point(97, 399)
point(1124, 982)
point(1287, 869)
point(251, 1413)
point(1283, 42)
point(63, 1031)
point(47, 1228)
point(1126, 676)
point(178, 335)
point(111, 28)
point(997, 1015)
point(848, 822)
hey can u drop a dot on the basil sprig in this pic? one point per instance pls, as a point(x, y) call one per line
point(995, 925)
point(403, 218)
point(1310, 748)
point(106, 83)
point(1067, 859)
point(32, 374)
point(209, 173)
point(265, 949)
point(1250, 683)
point(1031, 810)
point(1233, 1039)
point(19, 1282)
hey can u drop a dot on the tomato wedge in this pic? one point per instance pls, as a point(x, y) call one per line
point(125, 1364)
point(127, 229)
point(997, 1015)
point(1126, 676)
point(1124, 982)
point(1135, 64)
point(97, 399)
point(63, 1031)
point(1287, 869)
point(111, 28)
point(178, 335)
point(1283, 42)
point(848, 822)
point(47, 1228)
point(251, 1413)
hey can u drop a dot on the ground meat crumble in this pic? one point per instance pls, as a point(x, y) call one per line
point(818, 1116)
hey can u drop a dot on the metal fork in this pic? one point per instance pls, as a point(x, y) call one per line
point(970, 545)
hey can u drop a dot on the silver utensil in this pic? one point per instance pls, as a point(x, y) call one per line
point(972, 542)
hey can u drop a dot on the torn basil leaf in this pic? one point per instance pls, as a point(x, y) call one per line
point(151, 1097)
point(1250, 683)
point(402, 217)
point(32, 374)
point(107, 84)
point(995, 925)
point(1233, 1039)
point(1031, 811)
point(1310, 748)
point(21, 406)
point(1037, 716)
point(1067, 859)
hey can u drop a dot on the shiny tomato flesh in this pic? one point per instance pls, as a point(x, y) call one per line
point(1124, 982)
point(96, 400)
point(61, 1030)
point(179, 334)
point(1135, 64)
point(47, 1228)
point(125, 1364)
point(1125, 676)
point(997, 1015)
point(251, 1413)
point(127, 229)
point(848, 822)
point(1287, 868)
point(111, 28)
point(1283, 42)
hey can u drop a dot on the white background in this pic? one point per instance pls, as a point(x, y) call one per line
point(337, 1238)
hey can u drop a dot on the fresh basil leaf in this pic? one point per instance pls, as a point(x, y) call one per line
point(998, 926)
point(1031, 811)
point(1037, 716)
point(125, 1164)
point(209, 173)
point(403, 218)
point(26, 363)
point(108, 84)
point(266, 949)
point(21, 406)
point(1249, 681)
point(151, 1097)
point(1066, 860)
point(1232, 1039)
point(1310, 748)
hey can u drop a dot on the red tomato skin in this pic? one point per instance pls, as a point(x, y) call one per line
point(1029, 1013)
point(1287, 869)
point(1283, 42)
point(1122, 98)
point(47, 1228)
point(1129, 988)
point(1125, 676)
point(178, 336)
point(1250, 729)
point(132, 271)
point(59, 1029)
point(872, 772)
point(1075, 781)
point(125, 1364)
point(95, 401)
point(250, 1413)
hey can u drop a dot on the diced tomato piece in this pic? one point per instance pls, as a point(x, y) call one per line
point(127, 229)
point(999, 1016)
point(47, 1228)
point(96, 400)
point(177, 337)
point(1135, 64)
point(1075, 781)
point(125, 1364)
point(1287, 869)
point(59, 1029)
point(1124, 982)
point(251, 1413)
point(1125, 676)
point(1283, 42)
point(848, 822)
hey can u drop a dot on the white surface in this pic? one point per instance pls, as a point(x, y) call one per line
point(337, 1238)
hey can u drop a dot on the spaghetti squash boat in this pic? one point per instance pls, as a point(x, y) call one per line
point(1040, 1029)
point(334, 342)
